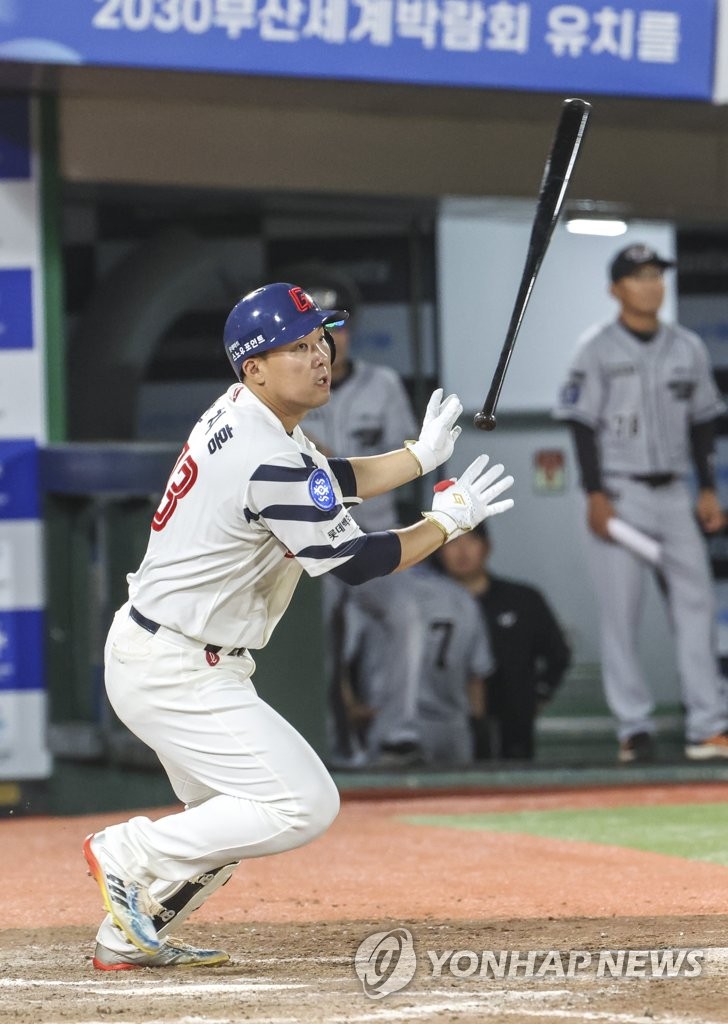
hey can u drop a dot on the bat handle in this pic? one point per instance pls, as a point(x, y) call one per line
point(485, 419)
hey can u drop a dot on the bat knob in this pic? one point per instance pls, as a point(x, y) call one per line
point(484, 421)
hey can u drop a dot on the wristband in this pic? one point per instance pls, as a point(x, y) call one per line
point(409, 445)
point(441, 526)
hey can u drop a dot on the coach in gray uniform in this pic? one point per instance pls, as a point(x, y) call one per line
point(642, 404)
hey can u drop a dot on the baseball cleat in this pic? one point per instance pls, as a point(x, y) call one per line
point(171, 953)
point(707, 750)
point(399, 755)
point(129, 903)
point(638, 748)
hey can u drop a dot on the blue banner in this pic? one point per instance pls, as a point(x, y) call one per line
point(661, 48)
point(19, 480)
point(14, 136)
point(16, 309)
point(21, 650)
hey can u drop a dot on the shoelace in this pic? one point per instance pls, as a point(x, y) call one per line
point(150, 906)
point(177, 944)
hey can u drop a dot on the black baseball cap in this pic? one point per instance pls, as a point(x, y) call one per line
point(632, 258)
point(324, 284)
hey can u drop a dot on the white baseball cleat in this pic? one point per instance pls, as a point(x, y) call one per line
point(171, 953)
point(129, 902)
point(707, 750)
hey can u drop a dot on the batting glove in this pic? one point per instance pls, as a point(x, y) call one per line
point(439, 433)
point(460, 504)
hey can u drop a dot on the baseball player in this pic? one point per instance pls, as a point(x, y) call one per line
point(529, 648)
point(456, 658)
point(642, 404)
point(368, 413)
point(249, 505)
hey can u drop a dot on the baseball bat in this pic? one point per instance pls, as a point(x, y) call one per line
point(555, 181)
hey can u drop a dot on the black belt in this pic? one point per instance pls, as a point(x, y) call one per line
point(153, 627)
point(655, 479)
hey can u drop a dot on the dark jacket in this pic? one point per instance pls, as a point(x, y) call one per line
point(531, 656)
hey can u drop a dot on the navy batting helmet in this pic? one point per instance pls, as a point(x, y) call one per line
point(274, 315)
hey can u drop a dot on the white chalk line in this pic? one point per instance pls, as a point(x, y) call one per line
point(504, 1003)
point(596, 1015)
point(379, 1015)
point(299, 960)
point(410, 1012)
point(436, 1010)
point(195, 1020)
point(152, 987)
point(491, 1004)
point(486, 1008)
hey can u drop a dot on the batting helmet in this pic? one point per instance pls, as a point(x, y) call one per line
point(274, 315)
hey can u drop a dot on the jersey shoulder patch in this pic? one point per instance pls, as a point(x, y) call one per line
point(321, 490)
point(571, 391)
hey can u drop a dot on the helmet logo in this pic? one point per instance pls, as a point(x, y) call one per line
point(301, 301)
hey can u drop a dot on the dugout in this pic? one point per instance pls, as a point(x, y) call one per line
point(215, 171)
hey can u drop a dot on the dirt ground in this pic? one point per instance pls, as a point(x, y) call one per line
point(293, 925)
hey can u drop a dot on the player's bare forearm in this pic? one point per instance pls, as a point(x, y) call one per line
point(476, 696)
point(599, 511)
point(377, 474)
point(418, 542)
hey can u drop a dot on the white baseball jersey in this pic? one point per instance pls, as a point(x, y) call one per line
point(641, 397)
point(247, 508)
point(456, 645)
point(368, 413)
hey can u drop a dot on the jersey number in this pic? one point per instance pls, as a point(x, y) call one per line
point(445, 628)
point(181, 481)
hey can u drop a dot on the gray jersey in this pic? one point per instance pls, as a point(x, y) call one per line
point(367, 414)
point(641, 397)
point(456, 645)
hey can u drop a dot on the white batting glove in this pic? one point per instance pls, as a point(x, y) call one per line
point(439, 433)
point(460, 504)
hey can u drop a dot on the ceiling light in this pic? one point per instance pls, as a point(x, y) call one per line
point(594, 226)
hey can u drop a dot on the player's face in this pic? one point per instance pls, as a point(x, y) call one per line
point(641, 293)
point(463, 558)
point(296, 377)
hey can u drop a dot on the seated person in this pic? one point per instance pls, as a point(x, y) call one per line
point(529, 647)
point(455, 661)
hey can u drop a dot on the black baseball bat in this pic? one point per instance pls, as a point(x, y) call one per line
point(555, 181)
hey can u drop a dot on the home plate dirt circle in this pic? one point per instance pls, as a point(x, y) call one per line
point(293, 924)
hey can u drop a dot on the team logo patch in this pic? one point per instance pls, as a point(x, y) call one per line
point(571, 391)
point(321, 490)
